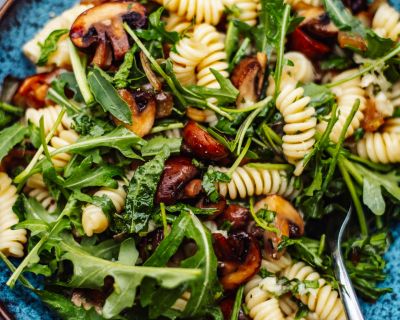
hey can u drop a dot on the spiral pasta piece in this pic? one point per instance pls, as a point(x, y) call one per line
point(208, 11)
point(392, 125)
point(214, 58)
point(380, 147)
point(302, 69)
point(247, 181)
point(386, 22)
point(65, 138)
point(248, 10)
point(300, 125)
point(347, 94)
point(94, 220)
point(50, 115)
point(11, 241)
point(177, 23)
point(173, 133)
point(37, 189)
point(261, 304)
point(324, 300)
point(276, 266)
point(186, 58)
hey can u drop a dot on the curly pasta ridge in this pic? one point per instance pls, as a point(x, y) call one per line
point(208, 11)
point(347, 94)
point(94, 220)
point(247, 181)
point(37, 189)
point(386, 22)
point(64, 139)
point(300, 125)
point(50, 115)
point(380, 147)
point(324, 300)
point(11, 241)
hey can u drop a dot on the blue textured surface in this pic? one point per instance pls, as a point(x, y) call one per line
point(19, 25)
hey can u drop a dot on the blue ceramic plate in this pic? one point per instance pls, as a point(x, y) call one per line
point(19, 24)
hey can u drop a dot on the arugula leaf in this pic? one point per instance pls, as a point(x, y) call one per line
point(365, 263)
point(209, 180)
point(141, 191)
point(120, 138)
point(50, 45)
point(306, 249)
point(157, 24)
point(106, 95)
point(187, 225)
point(372, 188)
point(336, 62)
point(128, 71)
point(11, 136)
point(225, 94)
point(84, 176)
point(126, 278)
point(65, 308)
point(345, 21)
point(156, 144)
point(319, 95)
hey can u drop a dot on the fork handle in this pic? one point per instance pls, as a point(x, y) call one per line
point(346, 290)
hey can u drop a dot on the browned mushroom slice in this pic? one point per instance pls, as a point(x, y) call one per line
point(318, 24)
point(288, 221)
point(247, 76)
point(351, 40)
point(239, 256)
point(178, 172)
point(143, 107)
point(103, 24)
point(165, 104)
point(201, 144)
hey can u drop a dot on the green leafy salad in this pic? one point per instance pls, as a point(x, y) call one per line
point(191, 160)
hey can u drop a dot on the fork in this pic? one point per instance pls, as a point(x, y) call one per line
point(346, 289)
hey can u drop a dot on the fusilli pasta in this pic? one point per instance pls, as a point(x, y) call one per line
point(380, 147)
point(324, 300)
point(248, 10)
point(49, 115)
point(300, 124)
point(276, 266)
point(347, 94)
point(38, 190)
point(64, 138)
point(208, 11)
point(386, 22)
point(247, 181)
point(94, 220)
point(11, 241)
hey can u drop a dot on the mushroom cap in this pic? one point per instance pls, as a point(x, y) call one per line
point(143, 106)
point(103, 25)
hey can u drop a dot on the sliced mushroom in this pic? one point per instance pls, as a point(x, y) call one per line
point(356, 6)
point(143, 107)
point(102, 27)
point(206, 203)
point(247, 76)
point(351, 40)
point(288, 221)
point(313, 49)
point(236, 215)
point(165, 104)
point(239, 258)
point(32, 92)
point(320, 25)
point(201, 144)
point(193, 189)
point(178, 171)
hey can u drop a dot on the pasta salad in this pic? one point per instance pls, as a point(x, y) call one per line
point(187, 159)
